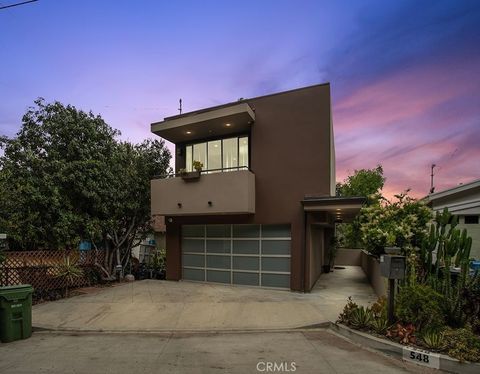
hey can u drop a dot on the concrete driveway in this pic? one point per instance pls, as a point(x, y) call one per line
point(156, 306)
point(302, 352)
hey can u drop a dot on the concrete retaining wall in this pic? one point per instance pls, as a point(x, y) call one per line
point(348, 257)
point(371, 268)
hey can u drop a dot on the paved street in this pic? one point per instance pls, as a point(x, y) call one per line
point(313, 351)
point(156, 306)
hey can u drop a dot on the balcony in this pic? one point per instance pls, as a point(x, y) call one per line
point(230, 192)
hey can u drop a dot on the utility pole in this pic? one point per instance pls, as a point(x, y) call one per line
point(180, 107)
point(432, 189)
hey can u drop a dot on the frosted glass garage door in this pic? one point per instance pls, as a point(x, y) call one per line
point(254, 255)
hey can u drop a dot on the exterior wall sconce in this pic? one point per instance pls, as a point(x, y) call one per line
point(210, 203)
point(179, 205)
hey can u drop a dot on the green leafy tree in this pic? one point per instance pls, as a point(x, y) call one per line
point(65, 178)
point(363, 182)
point(366, 183)
point(53, 175)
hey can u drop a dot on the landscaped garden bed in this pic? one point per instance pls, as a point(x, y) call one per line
point(437, 304)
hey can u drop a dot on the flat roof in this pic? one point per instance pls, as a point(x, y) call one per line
point(218, 121)
point(237, 102)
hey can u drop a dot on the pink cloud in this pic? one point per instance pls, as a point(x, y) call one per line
point(410, 119)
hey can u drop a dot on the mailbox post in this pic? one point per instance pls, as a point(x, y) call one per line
point(392, 267)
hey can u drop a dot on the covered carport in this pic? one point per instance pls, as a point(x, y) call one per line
point(322, 213)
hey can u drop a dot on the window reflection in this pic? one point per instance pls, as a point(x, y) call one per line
point(215, 155)
point(230, 153)
point(219, 155)
point(200, 153)
point(243, 151)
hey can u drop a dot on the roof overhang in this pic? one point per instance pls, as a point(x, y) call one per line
point(461, 189)
point(343, 209)
point(208, 123)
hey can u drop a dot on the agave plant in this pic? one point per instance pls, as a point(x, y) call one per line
point(380, 324)
point(434, 339)
point(69, 271)
point(361, 318)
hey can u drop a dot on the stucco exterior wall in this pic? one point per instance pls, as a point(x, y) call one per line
point(290, 155)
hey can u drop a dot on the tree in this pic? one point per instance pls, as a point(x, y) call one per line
point(65, 178)
point(128, 206)
point(364, 182)
point(53, 175)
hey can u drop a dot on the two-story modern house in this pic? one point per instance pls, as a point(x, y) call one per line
point(262, 210)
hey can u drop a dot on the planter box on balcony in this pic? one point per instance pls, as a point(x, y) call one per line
point(191, 176)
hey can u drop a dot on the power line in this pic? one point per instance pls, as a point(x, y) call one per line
point(17, 4)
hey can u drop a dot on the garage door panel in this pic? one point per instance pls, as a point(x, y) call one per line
point(276, 280)
point(248, 279)
point(276, 247)
point(246, 263)
point(218, 262)
point(218, 276)
point(218, 246)
point(219, 231)
point(193, 245)
point(246, 231)
point(276, 231)
point(280, 264)
point(194, 274)
point(193, 231)
point(197, 261)
point(246, 247)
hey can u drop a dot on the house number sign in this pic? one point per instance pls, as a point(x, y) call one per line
point(421, 357)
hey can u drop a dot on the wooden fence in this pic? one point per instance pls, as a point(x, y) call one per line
point(41, 268)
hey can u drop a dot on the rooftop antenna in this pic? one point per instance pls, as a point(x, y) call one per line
point(180, 107)
point(432, 189)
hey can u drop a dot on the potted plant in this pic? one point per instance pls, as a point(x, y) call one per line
point(191, 175)
point(332, 252)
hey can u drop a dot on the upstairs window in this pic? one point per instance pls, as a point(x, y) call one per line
point(471, 220)
point(219, 155)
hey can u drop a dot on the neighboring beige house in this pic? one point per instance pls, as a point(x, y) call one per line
point(463, 201)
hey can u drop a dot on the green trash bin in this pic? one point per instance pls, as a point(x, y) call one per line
point(15, 312)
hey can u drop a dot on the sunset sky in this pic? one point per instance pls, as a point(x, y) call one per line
point(405, 75)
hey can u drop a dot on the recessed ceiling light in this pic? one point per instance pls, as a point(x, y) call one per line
point(228, 125)
point(188, 132)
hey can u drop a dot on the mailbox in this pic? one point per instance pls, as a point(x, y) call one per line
point(392, 266)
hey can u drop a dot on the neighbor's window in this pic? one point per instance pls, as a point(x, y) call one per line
point(219, 155)
point(471, 220)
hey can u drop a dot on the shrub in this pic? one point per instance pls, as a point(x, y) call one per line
point(463, 344)
point(361, 318)
point(346, 315)
point(401, 223)
point(379, 324)
point(470, 295)
point(420, 305)
point(434, 339)
point(405, 334)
